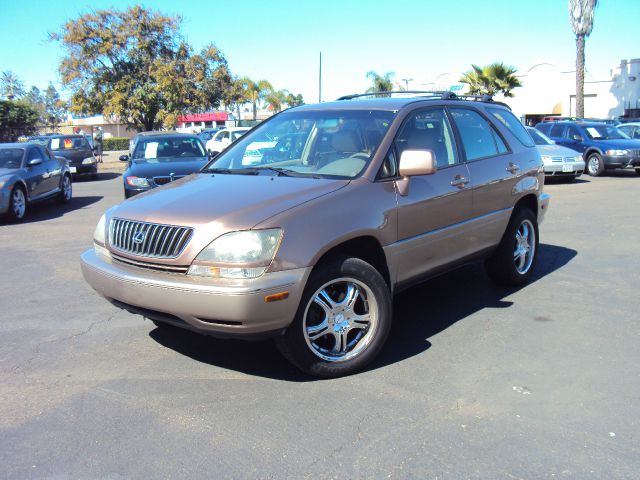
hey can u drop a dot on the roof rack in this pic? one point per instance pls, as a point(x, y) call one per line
point(431, 94)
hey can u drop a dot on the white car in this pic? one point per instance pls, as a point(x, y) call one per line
point(631, 129)
point(559, 162)
point(224, 137)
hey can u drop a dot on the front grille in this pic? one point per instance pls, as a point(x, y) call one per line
point(145, 239)
point(569, 159)
point(166, 179)
point(152, 266)
point(556, 159)
point(634, 153)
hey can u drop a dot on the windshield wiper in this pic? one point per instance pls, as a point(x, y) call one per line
point(239, 171)
point(287, 172)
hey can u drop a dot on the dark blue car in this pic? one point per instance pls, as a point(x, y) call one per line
point(603, 147)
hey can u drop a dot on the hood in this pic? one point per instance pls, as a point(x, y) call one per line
point(556, 151)
point(8, 171)
point(146, 169)
point(76, 155)
point(618, 144)
point(223, 202)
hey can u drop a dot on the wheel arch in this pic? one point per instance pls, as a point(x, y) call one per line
point(366, 248)
point(529, 201)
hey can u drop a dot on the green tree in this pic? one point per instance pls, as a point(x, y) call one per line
point(235, 96)
point(491, 79)
point(255, 92)
point(277, 99)
point(581, 15)
point(11, 87)
point(294, 100)
point(135, 65)
point(380, 83)
point(51, 109)
point(17, 118)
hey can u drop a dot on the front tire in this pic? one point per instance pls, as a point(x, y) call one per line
point(17, 205)
point(342, 321)
point(66, 189)
point(515, 258)
point(637, 171)
point(595, 165)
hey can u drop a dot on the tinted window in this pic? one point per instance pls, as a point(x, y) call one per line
point(428, 130)
point(556, 131)
point(539, 138)
point(478, 136)
point(544, 128)
point(573, 133)
point(604, 132)
point(509, 120)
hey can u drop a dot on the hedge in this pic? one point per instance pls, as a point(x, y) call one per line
point(115, 143)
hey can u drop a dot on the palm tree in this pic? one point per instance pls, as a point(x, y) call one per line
point(294, 100)
point(380, 83)
point(277, 99)
point(581, 16)
point(255, 91)
point(491, 79)
point(11, 86)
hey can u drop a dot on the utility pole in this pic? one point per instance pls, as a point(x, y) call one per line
point(406, 82)
point(320, 80)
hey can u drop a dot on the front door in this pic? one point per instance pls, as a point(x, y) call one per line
point(433, 213)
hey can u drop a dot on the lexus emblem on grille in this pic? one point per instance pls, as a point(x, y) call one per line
point(138, 238)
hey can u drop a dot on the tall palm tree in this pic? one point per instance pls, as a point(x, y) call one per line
point(380, 83)
point(491, 79)
point(11, 86)
point(581, 16)
point(256, 91)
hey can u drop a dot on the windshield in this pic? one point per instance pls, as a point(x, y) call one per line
point(159, 149)
point(39, 140)
point(11, 157)
point(539, 138)
point(604, 132)
point(309, 143)
point(68, 143)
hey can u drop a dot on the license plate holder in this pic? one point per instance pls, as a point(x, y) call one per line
point(567, 168)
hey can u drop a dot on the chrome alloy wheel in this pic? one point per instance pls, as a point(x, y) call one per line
point(594, 164)
point(340, 319)
point(67, 190)
point(18, 202)
point(525, 247)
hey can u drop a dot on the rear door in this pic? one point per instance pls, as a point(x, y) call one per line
point(432, 215)
point(494, 174)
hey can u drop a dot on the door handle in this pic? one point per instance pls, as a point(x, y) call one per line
point(459, 181)
point(512, 168)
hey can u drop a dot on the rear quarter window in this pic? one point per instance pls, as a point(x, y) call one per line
point(512, 124)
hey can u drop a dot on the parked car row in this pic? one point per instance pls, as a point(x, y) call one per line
point(602, 146)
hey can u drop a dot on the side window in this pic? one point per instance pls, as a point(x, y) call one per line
point(35, 154)
point(478, 136)
point(636, 133)
point(573, 134)
point(510, 121)
point(223, 136)
point(502, 148)
point(556, 131)
point(428, 130)
point(389, 168)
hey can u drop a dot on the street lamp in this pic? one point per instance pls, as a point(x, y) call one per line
point(406, 82)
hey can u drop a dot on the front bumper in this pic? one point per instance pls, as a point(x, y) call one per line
point(621, 161)
point(226, 308)
point(564, 169)
point(543, 206)
point(80, 169)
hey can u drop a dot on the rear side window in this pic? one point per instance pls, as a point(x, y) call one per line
point(556, 131)
point(479, 138)
point(510, 121)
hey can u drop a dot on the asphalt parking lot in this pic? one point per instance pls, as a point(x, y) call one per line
point(475, 381)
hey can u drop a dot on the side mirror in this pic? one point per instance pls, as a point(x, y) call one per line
point(34, 162)
point(417, 162)
point(212, 155)
point(124, 158)
point(577, 138)
point(413, 163)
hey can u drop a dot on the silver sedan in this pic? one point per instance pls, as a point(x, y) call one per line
point(559, 162)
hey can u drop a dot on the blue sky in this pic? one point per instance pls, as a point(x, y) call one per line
point(280, 40)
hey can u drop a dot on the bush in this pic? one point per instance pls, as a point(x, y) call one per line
point(115, 143)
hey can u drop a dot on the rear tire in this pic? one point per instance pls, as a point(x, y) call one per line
point(637, 171)
point(17, 205)
point(516, 256)
point(595, 165)
point(342, 321)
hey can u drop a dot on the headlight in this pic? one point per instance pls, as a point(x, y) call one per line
point(99, 233)
point(3, 183)
point(579, 158)
point(617, 153)
point(137, 182)
point(546, 158)
point(245, 254)
point(88, 161)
